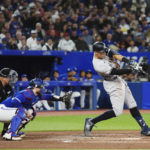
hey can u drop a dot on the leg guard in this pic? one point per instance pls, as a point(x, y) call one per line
point(16, 121)
point(23, 124)
point(31, 113)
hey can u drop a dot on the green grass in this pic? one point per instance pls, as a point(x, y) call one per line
point(76, 149)
point(76, 122)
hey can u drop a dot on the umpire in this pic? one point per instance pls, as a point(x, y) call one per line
point(7, 78)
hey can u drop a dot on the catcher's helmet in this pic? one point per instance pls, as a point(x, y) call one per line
point(36, 83)
point(99, 47)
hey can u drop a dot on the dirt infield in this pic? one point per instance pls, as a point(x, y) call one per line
point(76, 139)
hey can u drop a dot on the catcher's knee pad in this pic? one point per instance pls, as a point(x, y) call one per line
point(31, 113)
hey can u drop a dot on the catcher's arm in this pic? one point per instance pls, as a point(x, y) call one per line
point(66, 99)
point(53, 97)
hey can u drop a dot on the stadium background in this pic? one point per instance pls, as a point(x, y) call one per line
point(34, 62)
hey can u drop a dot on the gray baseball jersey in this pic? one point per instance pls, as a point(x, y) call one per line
point(114, 85)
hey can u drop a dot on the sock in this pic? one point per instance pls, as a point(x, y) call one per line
point(137, 116)
point(5, 128)
point(106, 115)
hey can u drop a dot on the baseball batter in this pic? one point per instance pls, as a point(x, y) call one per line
point(115, 86)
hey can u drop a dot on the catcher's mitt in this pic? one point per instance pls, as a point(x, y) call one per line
point(66, 99)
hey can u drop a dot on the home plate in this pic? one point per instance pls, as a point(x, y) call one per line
point(130, 138)
point(67, 141)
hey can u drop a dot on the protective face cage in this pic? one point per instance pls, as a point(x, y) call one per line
point(12, 75)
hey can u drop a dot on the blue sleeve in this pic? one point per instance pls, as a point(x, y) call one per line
point(47, 96)
point(16, 103)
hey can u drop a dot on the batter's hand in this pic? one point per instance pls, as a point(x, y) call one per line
point(133, 64)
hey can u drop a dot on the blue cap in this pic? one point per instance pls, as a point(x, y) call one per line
point(56, 70)
point(85, 28)
point(80, 34)
point(81, 10)
point(23, 75)
point(138, 34)
point(4, 39)
point(38, 39)
point(89, 71)
point(69, 70)
point(75, 69)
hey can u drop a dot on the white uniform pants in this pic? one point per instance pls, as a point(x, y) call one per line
point(119, 93)
point(61, 105)
point(6, 113)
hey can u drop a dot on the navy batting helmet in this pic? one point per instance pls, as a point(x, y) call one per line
point(99, 47)
point(36, 83)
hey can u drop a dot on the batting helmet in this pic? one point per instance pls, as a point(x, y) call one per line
point(36, 83)
point(99, 47)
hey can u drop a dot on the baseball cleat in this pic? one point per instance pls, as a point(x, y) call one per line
point(21, 134)
point(146, 131)
point(12, 137)
point(88, 127)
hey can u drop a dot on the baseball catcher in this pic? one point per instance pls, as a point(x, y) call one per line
point(18, 110)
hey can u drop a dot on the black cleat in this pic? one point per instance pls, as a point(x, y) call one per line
point(145, 131)
point(88, 127)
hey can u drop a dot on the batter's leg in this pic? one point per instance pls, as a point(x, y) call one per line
point(117, 95)
point(131, 103)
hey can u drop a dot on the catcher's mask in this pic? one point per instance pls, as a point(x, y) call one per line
point(12, 75)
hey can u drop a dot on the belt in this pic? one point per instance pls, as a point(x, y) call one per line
point(110, 79)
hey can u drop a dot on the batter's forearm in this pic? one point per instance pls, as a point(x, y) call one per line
point(118, 57)
point(120, 71)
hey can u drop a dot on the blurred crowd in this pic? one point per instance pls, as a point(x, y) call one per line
point(73, 25)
